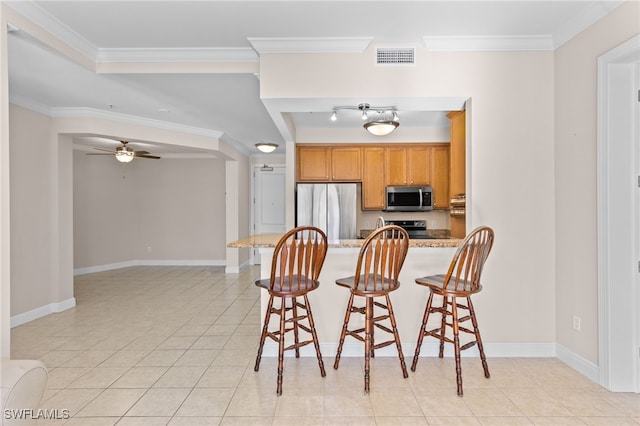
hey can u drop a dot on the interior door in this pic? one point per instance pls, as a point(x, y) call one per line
point(268, 203)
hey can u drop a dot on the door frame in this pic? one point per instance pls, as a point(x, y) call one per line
point(618, 287)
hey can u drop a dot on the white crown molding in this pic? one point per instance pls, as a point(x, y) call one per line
point(131, 119)
point(592, 13)
point(486, 43)
point(310, 44)
point(31, 105)
point(182, 55)
point(44, 19)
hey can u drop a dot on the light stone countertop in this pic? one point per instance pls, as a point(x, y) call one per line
point(270, 240)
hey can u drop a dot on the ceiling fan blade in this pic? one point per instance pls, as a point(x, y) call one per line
point(141, 152)
point(105, 150)
point(147, 156)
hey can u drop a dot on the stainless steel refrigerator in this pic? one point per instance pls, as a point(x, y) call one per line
point(328, 206)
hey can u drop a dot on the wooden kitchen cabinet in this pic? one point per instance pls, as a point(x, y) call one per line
point(408, 165)
point(313, 163)
point(439, 176)
point(326, 164)
point(457, 173)
point(377, 166)
point(457, 147)
point(346, 164)
point(373, 181)
point(418, 165)
point(395, 165)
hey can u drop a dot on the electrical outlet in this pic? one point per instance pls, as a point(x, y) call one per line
point(367, 225)
point(576, 323)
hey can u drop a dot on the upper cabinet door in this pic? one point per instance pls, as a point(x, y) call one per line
point(373, 188)
point(346, 164)
point(313, 163)
point(440, 176)
point(419, 165)
point(457, 184)
point(396, 165)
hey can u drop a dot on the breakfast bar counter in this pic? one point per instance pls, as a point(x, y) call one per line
point(329, 302)
point(270, 240)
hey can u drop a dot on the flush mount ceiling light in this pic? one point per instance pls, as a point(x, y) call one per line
point(384, 121)
point(266, 147)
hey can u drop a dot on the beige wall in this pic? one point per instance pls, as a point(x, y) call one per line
point(32, 156)
point(511, 159)
point(575, 175)
point(170, 206)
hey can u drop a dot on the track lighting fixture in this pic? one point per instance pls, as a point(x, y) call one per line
point(383, 121)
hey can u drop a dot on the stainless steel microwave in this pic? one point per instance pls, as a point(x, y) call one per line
point(408, 198)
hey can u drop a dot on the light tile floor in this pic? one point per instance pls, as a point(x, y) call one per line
point(176, 346)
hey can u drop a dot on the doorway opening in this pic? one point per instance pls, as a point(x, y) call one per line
point(618, 217)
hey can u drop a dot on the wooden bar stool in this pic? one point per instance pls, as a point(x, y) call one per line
point(461, 281)
point(377, 270)
point(295, 268)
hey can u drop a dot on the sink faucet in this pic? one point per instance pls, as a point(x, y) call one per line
point(379, 222)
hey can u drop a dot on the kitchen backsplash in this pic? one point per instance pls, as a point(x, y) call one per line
point(436, 219)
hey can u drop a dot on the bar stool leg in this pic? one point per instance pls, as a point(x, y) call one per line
point(456, 343)
point(476, 331)
point(367, 342)
point(443, 326)
point(343, 333)
point(396, 336)
point(423, 331)
point(283, 312)
point(296, 339)
point(263, 336)
point(314, 335)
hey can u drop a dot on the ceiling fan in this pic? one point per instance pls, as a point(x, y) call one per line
point(126, 154)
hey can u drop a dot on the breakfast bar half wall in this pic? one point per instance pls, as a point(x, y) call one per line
point(425, 257)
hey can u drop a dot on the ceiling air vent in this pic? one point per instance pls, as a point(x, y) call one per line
point(395, 56)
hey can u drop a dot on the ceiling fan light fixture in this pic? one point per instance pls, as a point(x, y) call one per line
point(124, 154)
point(266, 147)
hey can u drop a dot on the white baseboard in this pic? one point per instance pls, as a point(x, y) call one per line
point(492, 350)
point(129, 263)
point(581, 365)
point(236, 269)
point(42, 311)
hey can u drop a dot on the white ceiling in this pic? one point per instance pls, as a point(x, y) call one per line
point(228, 104)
